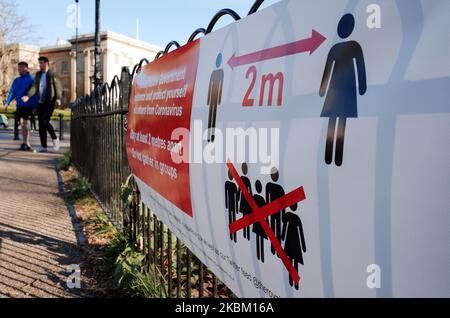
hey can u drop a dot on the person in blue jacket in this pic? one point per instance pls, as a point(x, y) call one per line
point(19, 89)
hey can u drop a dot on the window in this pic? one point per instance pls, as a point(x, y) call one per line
point(64, 96)
point(116, 58)
point(64, 67)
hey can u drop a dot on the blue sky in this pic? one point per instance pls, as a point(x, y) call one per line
point(160, 21)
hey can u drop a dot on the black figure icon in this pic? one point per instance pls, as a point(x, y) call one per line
point(339, 84)
point(244, 206)
point(214, 97)
point(273, 192)
point(294, 240)
point(258, 229)
point(231, 202)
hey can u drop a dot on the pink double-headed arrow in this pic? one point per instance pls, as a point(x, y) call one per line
point(306, 45)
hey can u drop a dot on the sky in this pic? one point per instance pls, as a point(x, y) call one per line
point(160, 21)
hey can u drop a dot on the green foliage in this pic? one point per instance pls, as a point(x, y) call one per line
point(146, 285)
point(79, 190)
point(66, 161)
point(116, 246)
point(65, 112)
point(104, 223)
point(131, 275)
point(127, 191)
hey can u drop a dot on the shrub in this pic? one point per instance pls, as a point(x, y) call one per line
point(66, 161)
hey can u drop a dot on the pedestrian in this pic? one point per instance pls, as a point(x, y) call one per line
point(47, 89)
point(19, 89)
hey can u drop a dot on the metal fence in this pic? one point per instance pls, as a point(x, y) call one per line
point(98, 135)
point(60, 125)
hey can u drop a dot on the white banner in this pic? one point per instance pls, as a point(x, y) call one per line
point(337, 111)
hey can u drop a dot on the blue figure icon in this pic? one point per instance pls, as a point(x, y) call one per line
point(214, 97)
point(339, 84)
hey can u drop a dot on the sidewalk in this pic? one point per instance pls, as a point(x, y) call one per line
point(37, 238)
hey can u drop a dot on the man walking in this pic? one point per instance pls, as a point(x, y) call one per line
point(19, 89)
point(47, 89)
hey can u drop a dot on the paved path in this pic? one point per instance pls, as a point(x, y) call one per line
point(37, 238)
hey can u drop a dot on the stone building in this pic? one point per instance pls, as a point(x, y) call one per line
point(8, 73)
point(76, 72)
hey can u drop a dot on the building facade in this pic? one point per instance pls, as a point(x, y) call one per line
point(15, 54)
point(74, 61)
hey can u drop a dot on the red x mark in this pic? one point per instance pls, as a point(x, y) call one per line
point(259, 215)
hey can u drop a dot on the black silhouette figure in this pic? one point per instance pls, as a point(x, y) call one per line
point(231, 202)
point(273, 192)
point(244, 207)
point(258, 229)
point(214, 97)
point(294, 240)
point(339, 83)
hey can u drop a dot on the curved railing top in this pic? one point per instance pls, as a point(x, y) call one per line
point(103, 94)
point(219, 15)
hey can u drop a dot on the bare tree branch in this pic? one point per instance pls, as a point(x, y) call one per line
point(14, 29)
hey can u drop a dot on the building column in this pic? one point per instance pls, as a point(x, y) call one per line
point(87, 71)
point(73, 76)
point(105, 65)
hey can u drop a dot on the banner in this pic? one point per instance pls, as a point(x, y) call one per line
point(303, 151)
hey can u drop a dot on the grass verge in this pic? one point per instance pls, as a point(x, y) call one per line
point(112, 266)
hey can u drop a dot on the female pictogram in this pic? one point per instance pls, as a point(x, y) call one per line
point(294, 237)
point(339, 84)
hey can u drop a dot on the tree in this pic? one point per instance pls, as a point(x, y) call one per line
point(14, 29)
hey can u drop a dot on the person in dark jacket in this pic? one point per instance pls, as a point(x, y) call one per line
point(48, 91)
point(19, 89)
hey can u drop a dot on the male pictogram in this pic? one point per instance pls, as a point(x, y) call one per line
point(231, 202)
point(244, 207)
point(339, 84)
point(257, 227)
point(275, 191)
point(214, 97)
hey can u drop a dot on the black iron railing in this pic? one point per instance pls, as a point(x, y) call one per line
point(98, 135)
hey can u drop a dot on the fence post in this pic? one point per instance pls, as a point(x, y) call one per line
point(61, 127)
point(16, 126)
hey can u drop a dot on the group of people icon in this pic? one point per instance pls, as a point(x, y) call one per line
point(286, 224)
